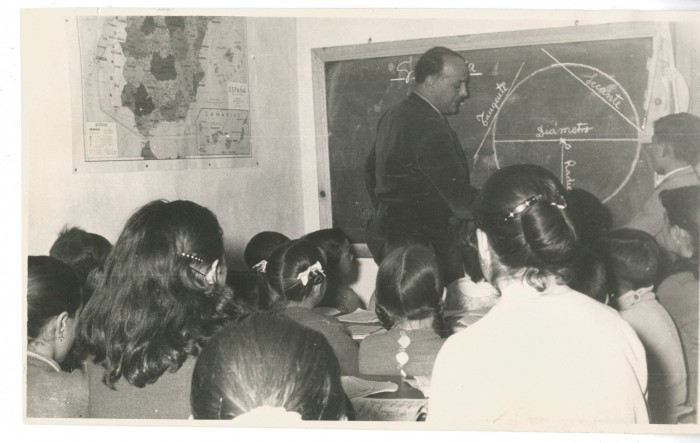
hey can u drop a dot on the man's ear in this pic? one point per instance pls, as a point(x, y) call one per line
point(60, 325)
point(431, 79)
point(666, 150)
point(682, 238)
point(212, 275)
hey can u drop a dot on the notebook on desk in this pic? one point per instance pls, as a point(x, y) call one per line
point(361, 316)
point(360, 332)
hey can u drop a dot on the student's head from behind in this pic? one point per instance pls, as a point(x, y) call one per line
point(682, 207)
point(632, 259)
point(592, 219)
point(442, 77)
point(54, 301)
point(267, 360)
point(337, 247)
point(588, 275)
point(261, 246)
point(523, 230)
point(463, 251)
point(81, 250)
point(249, 287)
point(676, 142)
point(85, 253)
point(296, 273)
point(162, 294)
point(409, 288)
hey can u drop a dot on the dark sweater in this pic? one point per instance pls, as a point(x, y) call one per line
point(168, 397)
point(378, 352)
point(337, 335)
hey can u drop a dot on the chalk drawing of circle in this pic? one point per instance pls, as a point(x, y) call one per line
point(536, 100)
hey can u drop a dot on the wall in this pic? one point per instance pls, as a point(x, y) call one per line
point(246, 200)
point(377, 26)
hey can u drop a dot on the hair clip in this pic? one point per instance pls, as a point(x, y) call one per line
point(260, 267)
point(523, 206)
point(560, 203)
point(190, 256)
point(304, 276)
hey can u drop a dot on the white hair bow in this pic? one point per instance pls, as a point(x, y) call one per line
point(260, 266)
point(267, 415)
point(304, 276)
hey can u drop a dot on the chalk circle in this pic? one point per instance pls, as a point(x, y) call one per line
point(611, 149)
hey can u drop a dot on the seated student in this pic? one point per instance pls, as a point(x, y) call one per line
point(267, 370)
point(256, 253)
point(409, 305)
point(296, 273)
point(85, 253)
point(341, 269)
point(545, 355)
point(588, 275)
point(592, 221)
point(470, 292)
point(591, 218)
point(259, 248)
point(248, 288)
point(679, 292)
point(633, 260)
point(674, 154)
point(53, 306)
point(161, 298)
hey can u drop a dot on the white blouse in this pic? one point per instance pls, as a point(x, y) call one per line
point(557, 359)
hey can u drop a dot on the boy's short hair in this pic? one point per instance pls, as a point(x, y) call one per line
point(682, 132)
point(632, 255)
point(81, 250)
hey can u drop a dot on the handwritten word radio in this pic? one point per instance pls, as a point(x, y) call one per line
point(567, 169)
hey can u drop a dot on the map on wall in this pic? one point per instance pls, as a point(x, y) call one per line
point(164, 88)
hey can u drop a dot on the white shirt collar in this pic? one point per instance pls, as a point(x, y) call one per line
point(45, 359)
point(660, 178)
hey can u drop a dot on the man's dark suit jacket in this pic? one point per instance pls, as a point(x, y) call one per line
point(417, 177)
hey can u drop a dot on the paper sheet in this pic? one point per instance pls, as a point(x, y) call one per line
point(359, 332)
point(360, 316)
point(356, 387)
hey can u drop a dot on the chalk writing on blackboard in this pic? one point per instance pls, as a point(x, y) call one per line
point(584, 148)
point(572, 106)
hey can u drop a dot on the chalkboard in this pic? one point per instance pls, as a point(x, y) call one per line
point(574, 100)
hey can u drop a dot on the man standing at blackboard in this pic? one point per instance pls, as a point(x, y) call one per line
point(417, 174)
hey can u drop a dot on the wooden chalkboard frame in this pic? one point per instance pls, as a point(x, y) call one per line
point(321, 56)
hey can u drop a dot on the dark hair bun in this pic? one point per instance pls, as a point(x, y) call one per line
point(549, 233)
point(522, 209)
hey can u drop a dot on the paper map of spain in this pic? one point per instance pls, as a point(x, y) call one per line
point(164, 87)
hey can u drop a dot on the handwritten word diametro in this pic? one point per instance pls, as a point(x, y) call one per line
point(404, 70)
point(607, 92)
point(485, 116)
point(579, 128)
